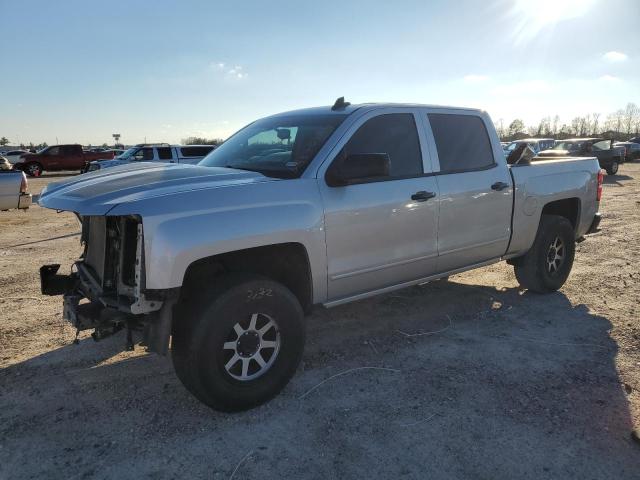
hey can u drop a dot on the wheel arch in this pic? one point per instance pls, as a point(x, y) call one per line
point(286, 263)
point(568, 208)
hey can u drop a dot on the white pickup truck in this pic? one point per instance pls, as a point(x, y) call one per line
point(14, 189)
point(321, 206)
point(161, 152)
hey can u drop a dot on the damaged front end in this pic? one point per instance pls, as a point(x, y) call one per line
point(105, 290)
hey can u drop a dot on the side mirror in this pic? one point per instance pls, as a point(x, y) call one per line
point(358, 168)
point(283, 133)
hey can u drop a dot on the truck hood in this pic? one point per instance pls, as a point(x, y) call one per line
point(111, 162)
point(95, 193)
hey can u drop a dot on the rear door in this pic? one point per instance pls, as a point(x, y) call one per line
point(377, 235)
point(475, 202)
point(72, 157)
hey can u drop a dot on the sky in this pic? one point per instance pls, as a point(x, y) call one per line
point(79, 71)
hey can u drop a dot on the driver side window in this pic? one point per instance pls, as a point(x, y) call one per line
point(394, 134)
point(144, 154)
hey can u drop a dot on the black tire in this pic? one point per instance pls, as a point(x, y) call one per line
point(199, 344)
point(33, 169)
point(613, 168)
point(533, 270)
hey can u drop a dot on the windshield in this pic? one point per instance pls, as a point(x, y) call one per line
point(279, 147)
point(128, 153)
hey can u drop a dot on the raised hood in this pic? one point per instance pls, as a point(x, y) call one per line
point(556, 153)
point(95, 193)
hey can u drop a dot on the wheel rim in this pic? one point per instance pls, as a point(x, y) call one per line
point(251, 347)
point(614, 167)
point(34, 170)
point(555, 255)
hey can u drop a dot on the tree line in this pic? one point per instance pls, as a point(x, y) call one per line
point(622, 124)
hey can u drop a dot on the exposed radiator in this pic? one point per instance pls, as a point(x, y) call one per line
point(96, 239)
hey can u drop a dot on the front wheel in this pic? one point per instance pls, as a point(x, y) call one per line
point(613, 168)
point(546, 266)
point(33, 169)
point(242, 345)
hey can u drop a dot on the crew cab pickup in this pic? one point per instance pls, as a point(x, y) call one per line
point(57, 157)
point(155, 153)
point(14, 190)
point(328, 205)
point(609, 156)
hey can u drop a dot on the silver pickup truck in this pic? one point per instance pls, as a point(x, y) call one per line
point(321, 206)
point(13, 190)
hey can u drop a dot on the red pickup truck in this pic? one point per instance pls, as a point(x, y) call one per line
point(58, 157)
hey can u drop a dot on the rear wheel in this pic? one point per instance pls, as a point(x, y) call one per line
point(613, 168)
point(242, 345)
point(546, 266)
point(33, 169)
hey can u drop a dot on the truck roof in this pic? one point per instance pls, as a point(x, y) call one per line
point(590, 139)
point(328, 110)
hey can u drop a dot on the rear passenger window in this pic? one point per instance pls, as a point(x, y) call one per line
point(164, 153)
point(195, 151)
point(462, 142)
point(394, 134)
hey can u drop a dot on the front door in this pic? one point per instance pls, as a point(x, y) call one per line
point(384, 232)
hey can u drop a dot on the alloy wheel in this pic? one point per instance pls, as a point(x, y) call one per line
point(251, 347)
point(555, 255)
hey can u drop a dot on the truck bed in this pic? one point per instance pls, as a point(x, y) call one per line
point(545, 181)
point(10, 195)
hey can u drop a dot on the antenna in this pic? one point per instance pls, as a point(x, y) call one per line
point(340, 104)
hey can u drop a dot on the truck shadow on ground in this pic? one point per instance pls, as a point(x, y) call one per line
point(615, 179)
point(485, 380)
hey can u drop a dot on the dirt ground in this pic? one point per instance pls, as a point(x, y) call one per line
point(466, 379)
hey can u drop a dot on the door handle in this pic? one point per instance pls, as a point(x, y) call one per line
point(499, 186)
point(422, 196)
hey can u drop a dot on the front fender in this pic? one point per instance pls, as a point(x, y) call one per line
point(199, 224)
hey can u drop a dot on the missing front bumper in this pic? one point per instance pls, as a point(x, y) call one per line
point(51, 283)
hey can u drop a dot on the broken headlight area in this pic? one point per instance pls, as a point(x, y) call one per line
point(105, 290)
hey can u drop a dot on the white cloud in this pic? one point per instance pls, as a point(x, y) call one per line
point(236, 72)
point(528, 87)
point(614, 56)
point(473, 78)
point(609, 78)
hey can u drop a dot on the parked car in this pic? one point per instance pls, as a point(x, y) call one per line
point(610, 157)
point(317, 206)
point(57, 157)
point(635, 140)
point(536, 144)
point(13, 156)
point(191, 154)
point(14, 188)
point(631, 150)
